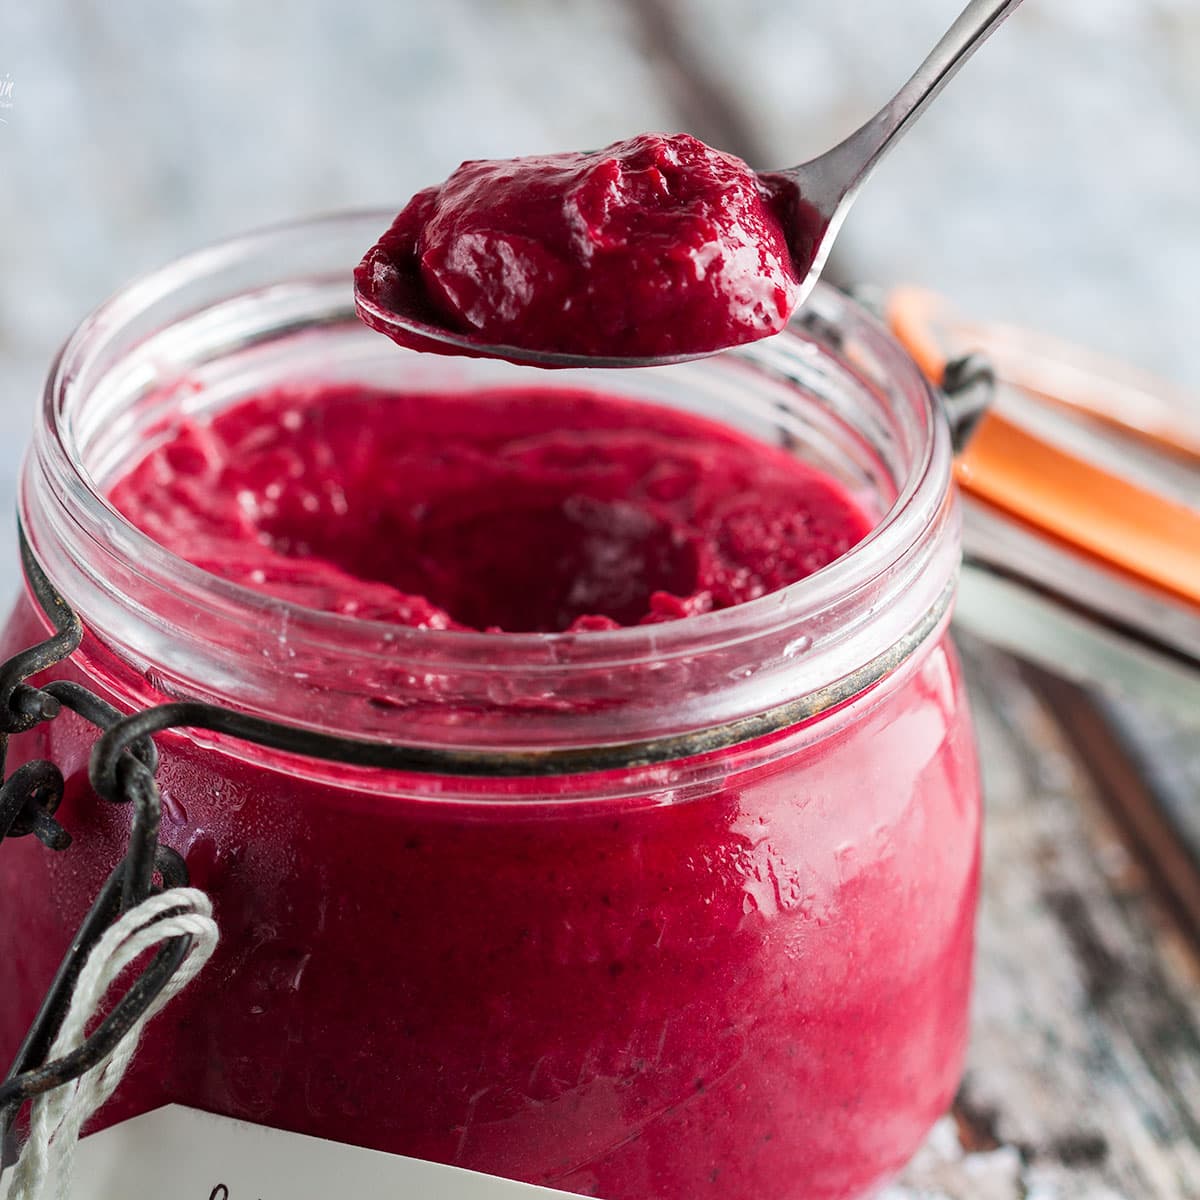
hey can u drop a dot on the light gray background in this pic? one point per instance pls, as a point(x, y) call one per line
point(1055, 183)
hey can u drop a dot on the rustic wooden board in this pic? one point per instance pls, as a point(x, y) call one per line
point(1083, 1077)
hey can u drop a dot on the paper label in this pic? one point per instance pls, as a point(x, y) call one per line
point(186, 1154)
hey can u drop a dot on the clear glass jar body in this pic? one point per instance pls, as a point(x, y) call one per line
point(706, 930)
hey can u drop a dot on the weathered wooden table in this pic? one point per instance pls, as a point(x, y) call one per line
point(1083, 1078)
point(1084, 1072)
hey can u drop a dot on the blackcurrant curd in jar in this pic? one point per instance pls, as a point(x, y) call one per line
point(679, 901)
point(502, 510)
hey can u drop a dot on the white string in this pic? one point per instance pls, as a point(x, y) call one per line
point(58, 1116)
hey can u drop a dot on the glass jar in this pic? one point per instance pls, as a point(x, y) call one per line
point(670, 911)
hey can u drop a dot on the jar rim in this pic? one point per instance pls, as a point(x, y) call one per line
point(86, 509)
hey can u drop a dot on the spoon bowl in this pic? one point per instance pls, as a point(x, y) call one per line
point(814, 199)
point(418, 332)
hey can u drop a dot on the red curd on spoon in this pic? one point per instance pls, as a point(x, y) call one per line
point(655, 246)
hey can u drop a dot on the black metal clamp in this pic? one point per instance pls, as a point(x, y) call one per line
point(29, 798)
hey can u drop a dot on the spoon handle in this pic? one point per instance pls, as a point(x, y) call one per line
point(847, 165)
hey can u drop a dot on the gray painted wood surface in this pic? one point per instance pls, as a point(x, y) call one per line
point(1083, 1078)
point(1055, 184)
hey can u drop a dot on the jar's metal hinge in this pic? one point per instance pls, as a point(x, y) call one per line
point(968, 388)
point(122, 771)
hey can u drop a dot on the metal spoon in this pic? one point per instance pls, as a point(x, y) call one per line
point(824, 189)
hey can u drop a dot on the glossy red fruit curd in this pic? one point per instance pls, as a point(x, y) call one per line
point(742, 975)
point(659, 245)
point(517, 510)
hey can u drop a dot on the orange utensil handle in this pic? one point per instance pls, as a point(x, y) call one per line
point(1128, 400)
point(1137, 531)
point(1064, 496)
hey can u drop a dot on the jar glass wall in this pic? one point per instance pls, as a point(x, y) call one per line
point(698, 920)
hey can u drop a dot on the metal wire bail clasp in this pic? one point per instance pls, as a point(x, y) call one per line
point(968, 388)
point(29, 798)
point(32, 794)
